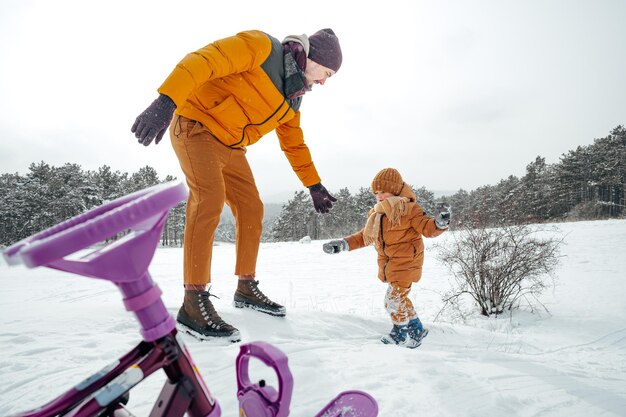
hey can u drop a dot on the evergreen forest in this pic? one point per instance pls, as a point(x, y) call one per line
point(586, 183)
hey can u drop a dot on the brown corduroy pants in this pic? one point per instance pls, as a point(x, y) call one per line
point(398, 304)
point(216, 174)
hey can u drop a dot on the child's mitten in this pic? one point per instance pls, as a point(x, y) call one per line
point(335, 246)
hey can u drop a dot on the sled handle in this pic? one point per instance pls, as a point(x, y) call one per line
point(134, 211)
point(274, 358)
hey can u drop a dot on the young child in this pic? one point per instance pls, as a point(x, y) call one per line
point(395, 226)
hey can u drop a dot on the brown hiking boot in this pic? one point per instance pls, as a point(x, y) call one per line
point(248, 295)
point(198, 317)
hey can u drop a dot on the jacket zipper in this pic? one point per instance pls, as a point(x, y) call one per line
point(243, 132)
point(284, 114)
point(382, 240)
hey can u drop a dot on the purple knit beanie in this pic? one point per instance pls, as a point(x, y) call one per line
point(325, 49)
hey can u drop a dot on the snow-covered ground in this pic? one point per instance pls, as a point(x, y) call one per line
point(58, 328)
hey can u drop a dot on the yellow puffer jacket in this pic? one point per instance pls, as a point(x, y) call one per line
point(400, 248)
point(234, 87)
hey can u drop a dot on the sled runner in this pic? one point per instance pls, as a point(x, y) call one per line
point(350, 404)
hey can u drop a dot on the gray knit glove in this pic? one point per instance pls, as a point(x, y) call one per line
point(443, 218)
point(335, 246)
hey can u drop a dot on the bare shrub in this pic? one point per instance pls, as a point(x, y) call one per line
point(498, 267)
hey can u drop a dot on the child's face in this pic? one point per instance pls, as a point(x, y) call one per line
point(381, 195)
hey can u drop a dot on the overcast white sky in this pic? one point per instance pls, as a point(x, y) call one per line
point(455, 94)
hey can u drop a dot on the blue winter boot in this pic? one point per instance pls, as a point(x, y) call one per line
point(399, 335)
point(416, 330)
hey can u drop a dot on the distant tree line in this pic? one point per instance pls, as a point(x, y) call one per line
point(348, 215)
point(587, 183)
point(48, 195)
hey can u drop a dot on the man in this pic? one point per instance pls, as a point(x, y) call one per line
point(223, 98)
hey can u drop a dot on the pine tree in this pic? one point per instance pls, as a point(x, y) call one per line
point(507, 202)
point(144, 178)
point(364, 201)
point(343, 216)
point(11, 218)
point(71, 190)
point(293, 221)
point(173, 232)
point(426, 199)
point(461, 211)
point(108, 184)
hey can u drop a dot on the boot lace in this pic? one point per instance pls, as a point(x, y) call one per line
point(208, 312)
point(254, 286)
